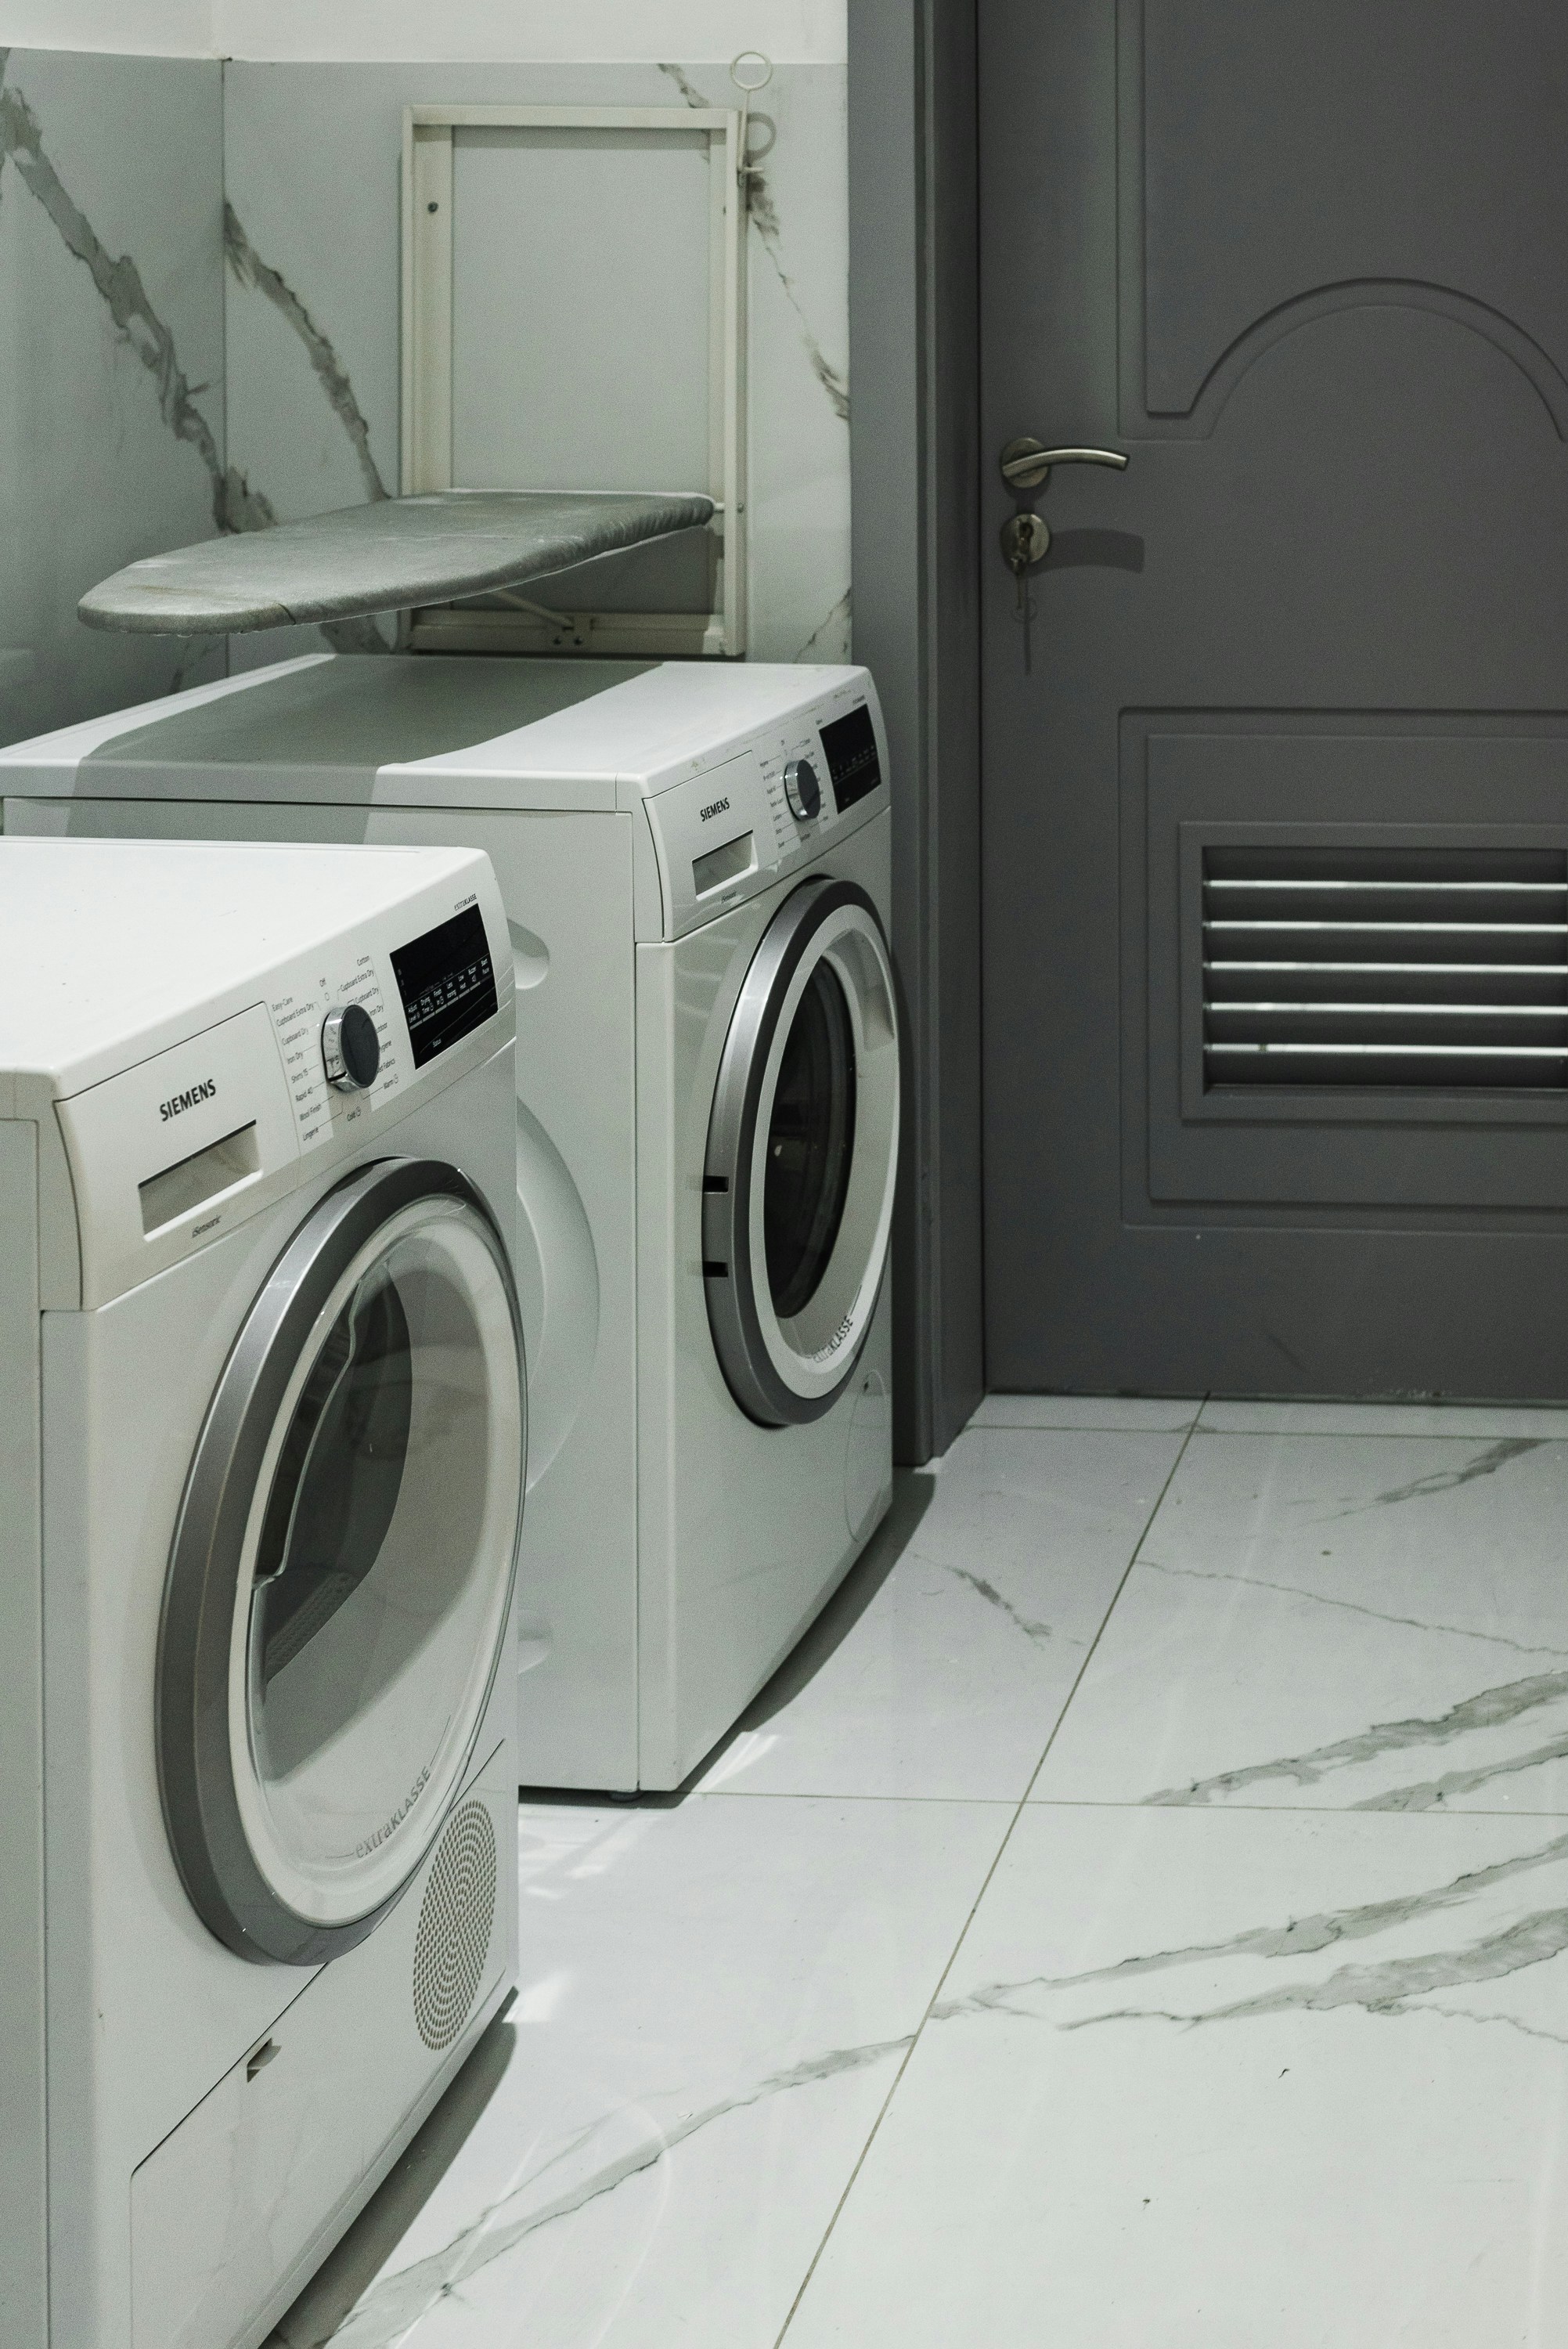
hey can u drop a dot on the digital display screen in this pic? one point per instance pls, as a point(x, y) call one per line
point(447, 984)
point(849, 747)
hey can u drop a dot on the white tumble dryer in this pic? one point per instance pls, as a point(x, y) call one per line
point(694, 859)
point(260, 1434)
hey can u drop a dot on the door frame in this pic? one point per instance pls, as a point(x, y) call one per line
point(916, 470)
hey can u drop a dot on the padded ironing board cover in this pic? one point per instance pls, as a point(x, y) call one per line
point(388, 556)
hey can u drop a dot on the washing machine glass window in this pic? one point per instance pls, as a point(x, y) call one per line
point(802, 1149)
point(811, 1143)
point(340, 1577)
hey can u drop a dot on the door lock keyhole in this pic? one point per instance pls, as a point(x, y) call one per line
point(1026, 540)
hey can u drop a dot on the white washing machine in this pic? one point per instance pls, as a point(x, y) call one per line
point(260, 1429)
point(694, 859)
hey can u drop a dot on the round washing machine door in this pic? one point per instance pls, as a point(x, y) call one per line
point(341, 1572)
point(802, 1150)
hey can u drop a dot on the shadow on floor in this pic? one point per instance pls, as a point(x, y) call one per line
point(912, 1491)
point(353, 2266)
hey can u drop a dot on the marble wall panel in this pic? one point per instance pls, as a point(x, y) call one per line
point(312, 158)
point(111, 362)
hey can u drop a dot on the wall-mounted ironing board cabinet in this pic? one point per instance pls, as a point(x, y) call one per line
point(396, 555)
point(573, 312)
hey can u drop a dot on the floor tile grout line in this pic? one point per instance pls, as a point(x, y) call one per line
point(1117, 1802)
point(984, 1887)
point(1077, 1427)
point(1116, 1600)
point(1217, 1810)
point(1370, 1435)
point(1556, 1430)
point(1439, 1812)
point(816, 1794)
point(1299, 1435)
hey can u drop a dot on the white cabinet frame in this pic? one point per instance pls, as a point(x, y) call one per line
point(427, 381)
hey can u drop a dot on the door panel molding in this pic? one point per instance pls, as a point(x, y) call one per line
point(1212, 101)
point(1297, 778)
point(1537, 366)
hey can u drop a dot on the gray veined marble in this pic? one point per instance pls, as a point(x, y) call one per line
point(250, 269)
point(763, 212)
point(1491, 1709)
point(1138, 2115)
point(1341, 1621)
point(1354, 1607)
point(988, 1591)
point(111, 426)
point(1384, 1987)
point(829, 637)
point(1387, 1989)
point(1449, 1480)
point(382, 557)
point(119, 283)
point(144, 329)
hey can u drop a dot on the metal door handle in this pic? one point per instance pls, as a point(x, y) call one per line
point(1027, 463)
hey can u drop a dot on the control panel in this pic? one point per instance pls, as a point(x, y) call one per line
point(854, 765)
point(302, 1016)
point(189, 1141)
point(737, 827)
point(447, 984)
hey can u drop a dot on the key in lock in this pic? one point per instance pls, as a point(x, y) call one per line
point(1026, 541)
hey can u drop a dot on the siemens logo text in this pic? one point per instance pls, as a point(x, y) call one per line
point(714, 807)
point(187, 1100)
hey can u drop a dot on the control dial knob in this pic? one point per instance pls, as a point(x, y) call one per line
point(350, 1047)
point(802, 789)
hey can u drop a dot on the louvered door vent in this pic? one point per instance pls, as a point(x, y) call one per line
point(1427, 967)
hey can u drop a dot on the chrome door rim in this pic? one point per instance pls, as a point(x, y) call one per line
point(777, 1380)
point(202, 1804)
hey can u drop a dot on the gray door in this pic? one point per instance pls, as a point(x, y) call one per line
point(1275, 825)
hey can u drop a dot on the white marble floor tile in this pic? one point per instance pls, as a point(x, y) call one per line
point(714, 1999)
point(942, 1666)
point(1363, 1622)
point(1120, 1413)
point(1455, 1419)
point(1204, 2081)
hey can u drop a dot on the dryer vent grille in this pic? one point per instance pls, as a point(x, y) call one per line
point(457, 1918)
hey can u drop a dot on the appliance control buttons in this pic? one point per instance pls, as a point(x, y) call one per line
point(350, 1047)
point(802, 789)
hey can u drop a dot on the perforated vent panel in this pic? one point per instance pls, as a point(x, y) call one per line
point(457, 1918)
point(1403, 967)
